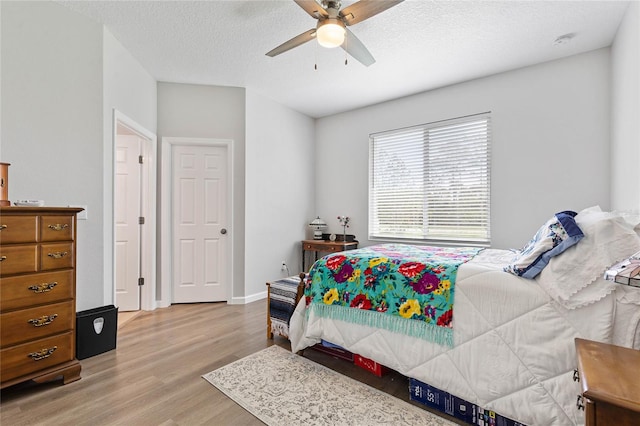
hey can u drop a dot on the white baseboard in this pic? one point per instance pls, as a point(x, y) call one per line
point(162, 303)
point(233, 301)
point(248, 299)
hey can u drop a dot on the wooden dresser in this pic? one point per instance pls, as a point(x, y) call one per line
point(37, 294)
point(610, 378)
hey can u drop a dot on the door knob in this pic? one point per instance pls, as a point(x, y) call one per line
point(223, 231)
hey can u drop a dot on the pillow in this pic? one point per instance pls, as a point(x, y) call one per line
point(608, 239)
point(554, 237)
point(632, 217)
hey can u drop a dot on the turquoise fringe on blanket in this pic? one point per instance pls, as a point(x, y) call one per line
point(431, 332)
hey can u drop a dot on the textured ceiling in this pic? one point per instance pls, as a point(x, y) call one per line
point(418, 45)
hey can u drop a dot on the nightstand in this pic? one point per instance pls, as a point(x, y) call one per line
point(610, 378)
point(325, 247)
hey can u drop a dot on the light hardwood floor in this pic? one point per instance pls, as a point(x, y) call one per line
point(125, 317)
point(153, 377)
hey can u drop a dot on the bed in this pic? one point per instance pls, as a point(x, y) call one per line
point(509, 347)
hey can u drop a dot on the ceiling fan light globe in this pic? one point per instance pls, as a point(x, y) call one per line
point(330, 34)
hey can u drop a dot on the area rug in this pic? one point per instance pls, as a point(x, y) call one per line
point(281, 388)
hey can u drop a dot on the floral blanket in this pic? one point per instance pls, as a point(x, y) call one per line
point(402, 288)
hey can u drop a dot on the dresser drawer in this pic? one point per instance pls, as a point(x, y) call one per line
point(30, 357)
point(56, 256)
point(18, 229)
point(56, 228)
point(18, 259)
point(36, 289)
point(34, 323)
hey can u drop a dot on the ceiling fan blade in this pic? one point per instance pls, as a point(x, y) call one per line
point(365, 9)
point(312, 8)
point(294, 42)
point(354, 47)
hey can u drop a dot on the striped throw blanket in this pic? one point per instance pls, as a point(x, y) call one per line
point(282, 302)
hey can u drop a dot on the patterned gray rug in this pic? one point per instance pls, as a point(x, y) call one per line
point(281, 388)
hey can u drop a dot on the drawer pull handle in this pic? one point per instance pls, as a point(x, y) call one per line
point(58, 226)
point(576, 375)
point(3, 258)
point(43, 320)
point(3, 226)
point(42, 288)
point(58, 254)
point(44, 353)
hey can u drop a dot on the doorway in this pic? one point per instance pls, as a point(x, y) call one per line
point(134, 217)
point(197, 229)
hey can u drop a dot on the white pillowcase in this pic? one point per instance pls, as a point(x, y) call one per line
point(608, 239)
point(632, 218)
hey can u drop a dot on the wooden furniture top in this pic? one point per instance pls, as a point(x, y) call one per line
point(609, 373)
point(43, 209)
point(321, 245)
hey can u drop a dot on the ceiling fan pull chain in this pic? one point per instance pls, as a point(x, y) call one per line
point(315, 54)
point(346, 47)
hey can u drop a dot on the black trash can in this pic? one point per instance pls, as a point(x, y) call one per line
point(96, 331)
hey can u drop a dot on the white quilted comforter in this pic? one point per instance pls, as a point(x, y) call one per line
point(514, 345)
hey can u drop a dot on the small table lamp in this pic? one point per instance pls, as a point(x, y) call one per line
point(317, 225)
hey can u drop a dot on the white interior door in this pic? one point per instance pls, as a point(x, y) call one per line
point(127, 228)
point(199, 223)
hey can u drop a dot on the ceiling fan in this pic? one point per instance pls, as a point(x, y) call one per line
point(331, 30)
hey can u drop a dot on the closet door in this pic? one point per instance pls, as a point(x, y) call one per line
point(200, 223)
point(127, 227)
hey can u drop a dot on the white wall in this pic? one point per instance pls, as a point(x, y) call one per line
point(625, 113)
point(61, 73)
point(279, 189)
point(128, 87)
point(131, 90)
point(550, 147)
point(194, 111)
point(52, 116)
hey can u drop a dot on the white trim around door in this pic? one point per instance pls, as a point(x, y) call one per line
point(166, 219)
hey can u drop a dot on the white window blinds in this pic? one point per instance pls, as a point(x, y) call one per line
point(431, 182)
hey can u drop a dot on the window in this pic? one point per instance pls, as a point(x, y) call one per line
point(431, 182)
